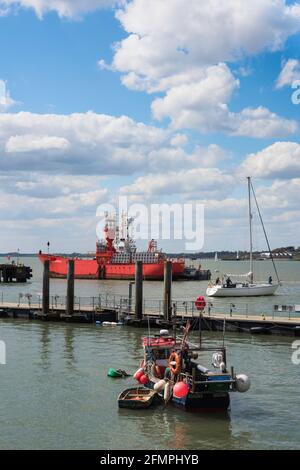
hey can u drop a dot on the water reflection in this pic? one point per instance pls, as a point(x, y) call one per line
point(69, 346)
point(173, 428)
point(45, 344)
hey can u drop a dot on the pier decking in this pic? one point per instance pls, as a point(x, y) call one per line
point(117, 308)
point(139, 312)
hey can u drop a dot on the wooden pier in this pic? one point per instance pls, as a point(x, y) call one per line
point(14, 273)
point(140, 312)
point(59, 313)
point(238, 323)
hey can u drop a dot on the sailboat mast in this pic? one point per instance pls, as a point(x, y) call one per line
point(265, 233)
point(250, 227)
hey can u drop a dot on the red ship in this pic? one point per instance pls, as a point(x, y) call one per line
point(115, 258)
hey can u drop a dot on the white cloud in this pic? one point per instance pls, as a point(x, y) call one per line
point(261, 123)
point(64, 8)
point(32, 143)
point(92, 143)
point(203, 105)
point(280, 160)
point(170, 38)
point(87, 143)
point(289, 74)
point(174, 49)
point(179, 140)
point(207, 182)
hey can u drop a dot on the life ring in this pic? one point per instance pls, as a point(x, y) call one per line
point(174, 357)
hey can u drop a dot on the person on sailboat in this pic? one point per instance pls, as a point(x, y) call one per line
point(270, 280)
point(228, 282)
point(217, 281)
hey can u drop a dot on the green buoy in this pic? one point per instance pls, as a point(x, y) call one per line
point(114, 373)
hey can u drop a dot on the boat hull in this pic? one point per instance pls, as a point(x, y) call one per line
point(250, 291)
point(90, 269)
point(199, 401)
point(203, 401)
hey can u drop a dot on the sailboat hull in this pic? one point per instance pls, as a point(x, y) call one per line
point(253, 290)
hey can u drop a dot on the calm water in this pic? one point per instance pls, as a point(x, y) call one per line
point(55, 392)
point(288, 293)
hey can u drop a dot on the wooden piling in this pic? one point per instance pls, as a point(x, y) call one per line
point(168, 290)
point(139, 290)
point(70, 288)
point(46, 287)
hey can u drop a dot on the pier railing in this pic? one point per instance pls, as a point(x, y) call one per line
point(125, 304)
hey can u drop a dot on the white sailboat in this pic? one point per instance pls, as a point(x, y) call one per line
point(216, 256)
point(246, 287)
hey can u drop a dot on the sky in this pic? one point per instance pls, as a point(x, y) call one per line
point(162, 101)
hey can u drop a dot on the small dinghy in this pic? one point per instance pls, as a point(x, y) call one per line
point(136, 398)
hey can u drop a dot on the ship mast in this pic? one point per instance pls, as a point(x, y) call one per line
point(250, 227)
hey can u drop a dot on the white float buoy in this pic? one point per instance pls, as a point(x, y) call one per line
point(167, 392)
point(242, 383)
point(160, 385)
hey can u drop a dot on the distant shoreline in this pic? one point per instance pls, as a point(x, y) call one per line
point(222, 256)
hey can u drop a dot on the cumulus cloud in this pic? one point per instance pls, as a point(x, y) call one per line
point(167, 39)
point(90, 143)
point(290, 72)
point(174, 49)
point(86, 143)
point(203, 105)
point(64, 8)
point(261, 123)
point(32, 143)
point(280, 160)
point(209, 182)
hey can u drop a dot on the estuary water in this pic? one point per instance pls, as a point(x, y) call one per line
point(287, 294)
point(55, 393)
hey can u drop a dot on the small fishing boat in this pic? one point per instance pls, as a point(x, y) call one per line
point(136, 398)
point(172, 368)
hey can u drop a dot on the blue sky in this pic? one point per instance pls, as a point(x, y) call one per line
point(154, 100)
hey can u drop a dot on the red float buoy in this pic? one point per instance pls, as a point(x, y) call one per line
point(144, 379)
point(200, 303)
point(180, 390)
point(138, 374)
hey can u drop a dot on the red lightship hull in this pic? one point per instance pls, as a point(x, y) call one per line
point(91, 269)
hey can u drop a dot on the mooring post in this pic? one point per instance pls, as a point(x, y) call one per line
point(131, 283)
point(168, 290)
point(46, 287)
point(139, 290)
point(70, 288)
